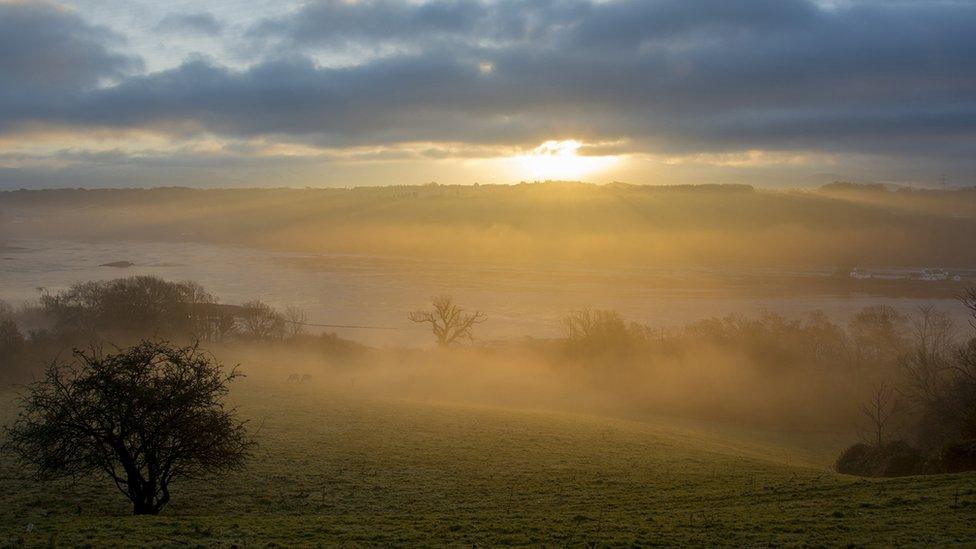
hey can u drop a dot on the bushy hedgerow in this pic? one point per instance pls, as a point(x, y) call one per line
point(894, 459)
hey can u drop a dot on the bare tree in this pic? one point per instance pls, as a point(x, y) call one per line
point(968, 299)
point(879, 411)
point(927, 363)
point(10, 337)
point(295, 321)
point(602, 332)
point(879, 334)
point(965, 363)
point(143, 416)
point(449, 322)
point(261, 321)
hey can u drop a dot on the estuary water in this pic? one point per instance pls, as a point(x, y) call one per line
point(379, 292)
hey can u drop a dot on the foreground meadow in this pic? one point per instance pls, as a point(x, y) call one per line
point(333, 467)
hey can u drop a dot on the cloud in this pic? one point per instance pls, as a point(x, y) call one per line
point(44, 46)
point(203, 23)
point(667, 77)
point(338, 23)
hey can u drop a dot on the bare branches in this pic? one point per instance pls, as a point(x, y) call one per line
point(296, 320)
point(965, 356)
point(261, 321)
point(968, 300)
point(449, 322)
point(879, 411)
point(927, 362)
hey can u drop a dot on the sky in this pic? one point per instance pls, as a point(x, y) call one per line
point(232, 93)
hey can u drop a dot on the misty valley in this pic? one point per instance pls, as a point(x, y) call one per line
point(404, 399)
point(487, 273)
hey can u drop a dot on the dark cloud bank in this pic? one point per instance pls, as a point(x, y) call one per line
point(892, 78)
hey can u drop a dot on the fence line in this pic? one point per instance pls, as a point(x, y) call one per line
point(355, 326)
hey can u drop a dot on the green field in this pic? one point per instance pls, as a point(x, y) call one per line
point(338, 469)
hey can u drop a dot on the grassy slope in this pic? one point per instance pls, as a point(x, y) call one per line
point(339, 469)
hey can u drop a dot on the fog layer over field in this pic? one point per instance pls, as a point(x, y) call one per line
point(718, 288)
point(765, 369)
point(611, 225)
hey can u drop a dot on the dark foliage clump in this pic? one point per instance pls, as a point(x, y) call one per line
point(135, 306)
point(956, 457)
point(893, 459)
point(12, 345)
point(11, 340)
point(596, 333)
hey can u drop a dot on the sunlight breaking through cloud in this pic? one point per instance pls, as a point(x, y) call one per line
point(561, 160)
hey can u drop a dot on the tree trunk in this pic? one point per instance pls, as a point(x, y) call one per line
point(144, 501)
point(144, 508)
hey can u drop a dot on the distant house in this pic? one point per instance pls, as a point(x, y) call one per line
point(926, 275)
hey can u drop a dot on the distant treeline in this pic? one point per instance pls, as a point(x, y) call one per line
point(841, 224)
point(805, 373)
point(907, 381)
point(800, 373)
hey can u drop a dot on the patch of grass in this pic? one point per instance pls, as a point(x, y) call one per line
point(335, 469)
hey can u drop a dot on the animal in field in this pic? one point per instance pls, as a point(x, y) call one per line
point(294, 377)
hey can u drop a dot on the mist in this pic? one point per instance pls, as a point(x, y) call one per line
point(445, 273)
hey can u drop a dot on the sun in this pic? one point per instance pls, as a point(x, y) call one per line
point(559, 160)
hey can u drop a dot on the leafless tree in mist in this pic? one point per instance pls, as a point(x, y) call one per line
point(965, 363)
point(295, 321)
point(880, 410)
point(449, 322)
point(261, 321)
point(927, 364)
point(968, 300)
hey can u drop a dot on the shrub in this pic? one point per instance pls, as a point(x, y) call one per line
point(957, 457)
point(592, 332)
point(894, 459)
point(10, 337)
